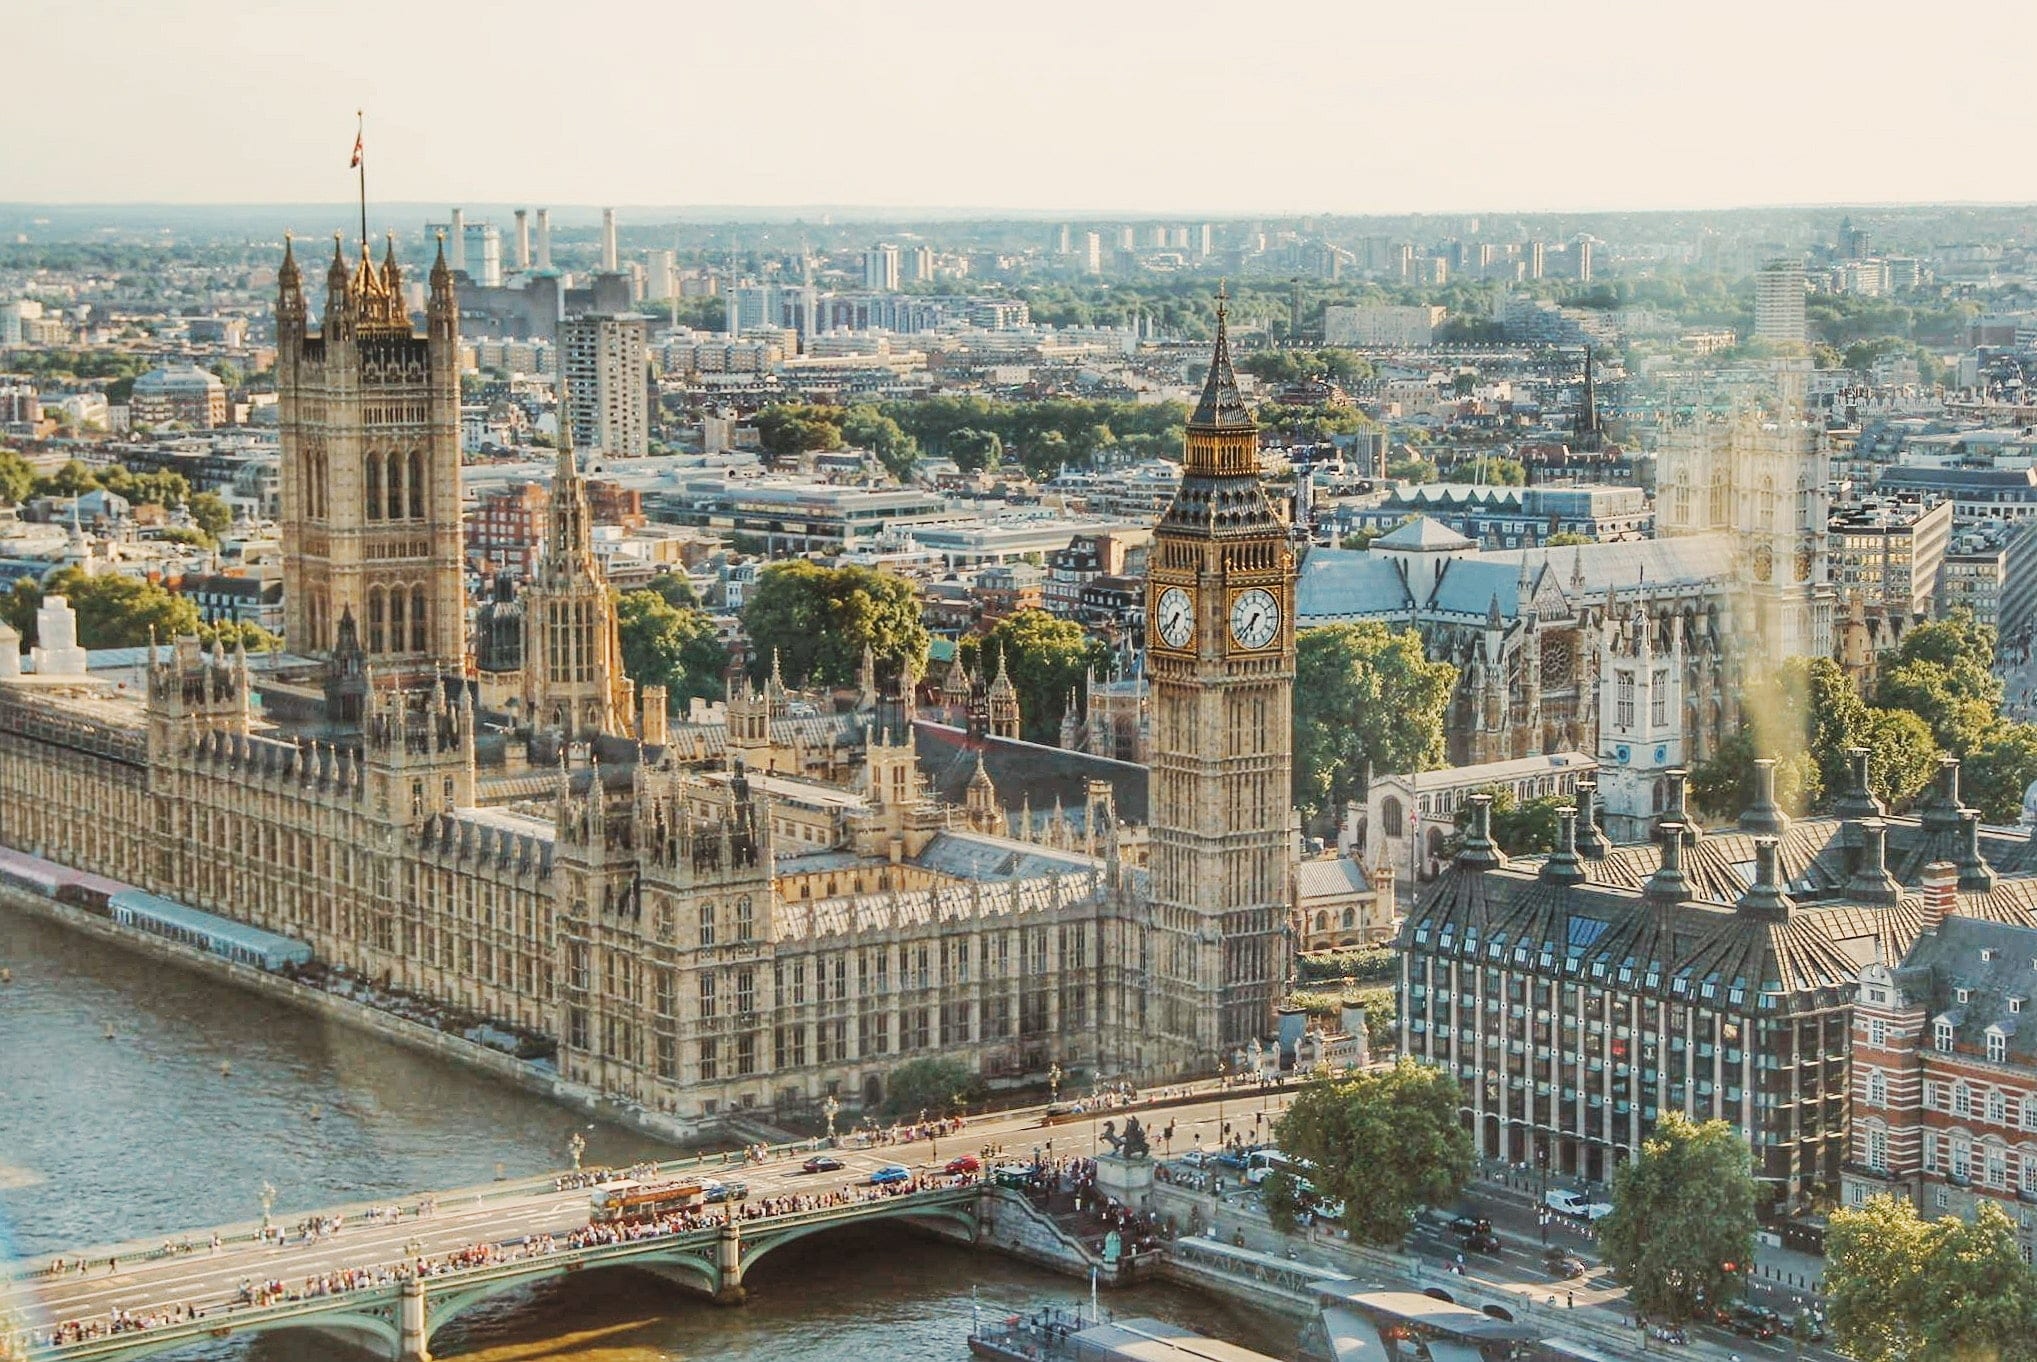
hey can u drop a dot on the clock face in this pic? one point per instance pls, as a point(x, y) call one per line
point(1255, 618)
point(1176, 617)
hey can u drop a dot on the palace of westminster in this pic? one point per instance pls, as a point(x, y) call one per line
point(702, 921)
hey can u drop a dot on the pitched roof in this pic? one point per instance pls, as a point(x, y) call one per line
point(1424, 533)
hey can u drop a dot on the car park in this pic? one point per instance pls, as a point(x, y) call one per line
point(821, 1163)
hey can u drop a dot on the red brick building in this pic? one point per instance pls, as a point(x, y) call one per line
point(1945, 1056)
point(506, 527)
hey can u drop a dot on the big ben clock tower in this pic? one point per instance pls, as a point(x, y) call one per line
point(1220, 659)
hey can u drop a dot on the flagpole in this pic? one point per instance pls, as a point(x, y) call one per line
point(361, 166)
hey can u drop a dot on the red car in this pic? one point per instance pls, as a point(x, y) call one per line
point(966, 1163)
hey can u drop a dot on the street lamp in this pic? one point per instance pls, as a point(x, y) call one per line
point(576, 1146)
point(831, 1108)
point(1222, 1078)
point(1054, 1077)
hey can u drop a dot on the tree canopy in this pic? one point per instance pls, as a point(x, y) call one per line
point(670, 645)
point(1905, 1289)
point(1682, 1228)
point(797, 428)
point(113, 611)
point(817, 621)
point(1384, 1142)
point(1040, 436)
point(1521, 827)
point(1046, 657)
point(934, 1085)
point(1363, 694)
point(866, 427)
point(1807, 715)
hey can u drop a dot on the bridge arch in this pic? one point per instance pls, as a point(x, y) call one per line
point(693, 1270)
point(954, 1221)
point(379, 1334)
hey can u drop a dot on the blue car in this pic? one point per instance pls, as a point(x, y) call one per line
point(890, 1172)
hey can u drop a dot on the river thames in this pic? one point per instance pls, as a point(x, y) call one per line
point(203, 1093)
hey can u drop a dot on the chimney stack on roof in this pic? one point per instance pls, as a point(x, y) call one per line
point(1765, 816)
point(1668, 886)
point(1858, 800)
point(1940, 885)
point(1976, 876)
point(1765, 897)
point(1563, 867)
point(1479, 852)
point(1871, 879)
point(1590, 841)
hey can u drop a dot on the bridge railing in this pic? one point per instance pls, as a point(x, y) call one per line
point(232, 1318)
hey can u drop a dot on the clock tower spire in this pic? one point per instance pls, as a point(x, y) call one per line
point(1220, 657)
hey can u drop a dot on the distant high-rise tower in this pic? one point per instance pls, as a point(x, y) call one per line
point(1220, 656)
point(604, 358)
point(573, 681)
point(483, 254)
point(880, 269)
point(918, 265)
point(1092, 253)
point(1779, 303)
point(370, 423)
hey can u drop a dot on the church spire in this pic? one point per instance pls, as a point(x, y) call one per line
point(1220, 406)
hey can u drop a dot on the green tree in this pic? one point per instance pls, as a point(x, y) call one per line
point(796, 428)
point(17, 478)
point(1363, 694)
point(817, 621)
point(1723, 784)
point(1682, 1227)
point(1282, 1199)
point(868, 428)
point(671, 646)
point(210, 513)
point(1905, 1289)
point(1902, 756)
point(1522, 828)
point(1994, 777)
point(1046, 657)
point(1383, 1142)
point(975, 450)
point(933, 1085)
point(1943, 673)
point(243, 633)
point(1564, 539)
point(73, 479)
point(113, 611)
point(1411, 468)
point(675, 589)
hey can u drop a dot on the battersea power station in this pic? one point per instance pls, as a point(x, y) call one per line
point(703, 917)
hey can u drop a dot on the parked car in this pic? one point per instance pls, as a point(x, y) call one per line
point(1469, 1224)
point(1576, 1205)
point(889, 1173)
point(821, 1163)
point(1482, 1241)
point(963, 1163)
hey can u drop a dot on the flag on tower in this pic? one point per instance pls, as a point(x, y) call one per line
point(357, 152)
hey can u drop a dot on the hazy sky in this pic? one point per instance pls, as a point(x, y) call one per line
point(1103, 106)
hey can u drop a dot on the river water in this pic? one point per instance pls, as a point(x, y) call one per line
point(204, 1093)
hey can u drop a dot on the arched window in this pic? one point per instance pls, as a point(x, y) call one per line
point(396, 603)
point(417, 484)
point(396, 487)
point(417, 635)
point(376, 619)
point(1391, 817)
point(373, 499)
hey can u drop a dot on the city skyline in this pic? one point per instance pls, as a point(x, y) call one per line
point(1400, 112)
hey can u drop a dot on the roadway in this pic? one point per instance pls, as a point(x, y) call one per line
point(140, 1279)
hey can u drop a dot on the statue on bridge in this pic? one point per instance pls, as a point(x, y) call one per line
point(1130, 1145)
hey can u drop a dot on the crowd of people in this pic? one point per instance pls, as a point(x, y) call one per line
point(273, 1291)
